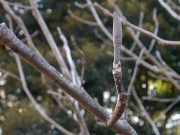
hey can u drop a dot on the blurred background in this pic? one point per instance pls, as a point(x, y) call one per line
point(18, 116)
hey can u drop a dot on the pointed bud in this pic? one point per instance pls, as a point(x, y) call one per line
point(117, 29)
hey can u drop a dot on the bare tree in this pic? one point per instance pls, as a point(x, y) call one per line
point(70, 82)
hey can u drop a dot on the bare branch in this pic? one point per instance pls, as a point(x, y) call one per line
point(4, 76)
point(138, 32)
point(32, 35)
point(80, 5)
point(75, 80)
point(135, 72)
point(98, 20)
point(83, 61)
point(117, 73)
point(10, 74)
point(35, 104)
point(50, 39)
point(7, 38)
point(10, 22)
point(167, 109)
point(81, 20)
point(171, 12)
point(19, 5)
point(159, 99)
point(155, 129)
point(155, 29)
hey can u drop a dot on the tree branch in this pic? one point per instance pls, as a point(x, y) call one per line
point(117, 73)
point(8, 39)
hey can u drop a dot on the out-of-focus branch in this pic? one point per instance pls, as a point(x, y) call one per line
point(50, 39)
point(81, 5)
point(75, 80)
point(117, 73)
point(138, 32)
point(171, 12)
point(98, 20)
point(21, 24)
point(83, 61)
point(155, 29)
point(159, 99)
point(135, 72)
point(167, 109)
point(58, 97)
point(81, 20)
point(9, 40)
point(10, 74)
point(4, 76)
point(154, 127)
point(73, 71)
point(10, 22)
point(121, 58)
point(19, 5)
point(32, 35)
point(35, 104)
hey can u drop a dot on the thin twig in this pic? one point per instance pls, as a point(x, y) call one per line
point(138, 32)
point(155, 29)
point(11, 74)
point(32, 35)
point(171, 12)
point(81, 5)
point(19, 5)
point(159, 99)
point(167, 109)
point(35, 104)
point(80, 52)
point(135, 72)
point(10, 21)
point(81, 20)
point(117, 73)
point(155, 129)
point(50, 40)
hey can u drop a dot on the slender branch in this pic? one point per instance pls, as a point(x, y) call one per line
point(117, 73)
point(167, 109)
point(80, 52)
point(80, 5)
point(19, 5)
point(21, 25)
point(98, 20)
point(155, 29)
point(10, 22)
point(11, 74)
point(135, 72)
point(138, 32)
point(8, 39)
point(50, 39)
point(57, 97)
point(121, 58)
point(171, 12)
point(155, 129)
point(4, 76)
point(75, 80)
point(35, 104)
point(159, 99)
point(32, 35)
point(81, 20)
